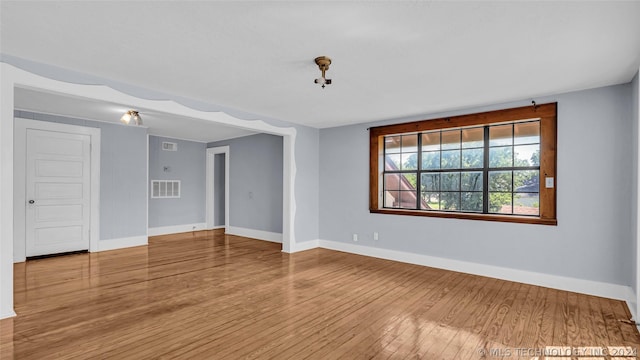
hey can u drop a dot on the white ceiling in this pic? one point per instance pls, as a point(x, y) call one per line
point(158, 123)
point(390, 59)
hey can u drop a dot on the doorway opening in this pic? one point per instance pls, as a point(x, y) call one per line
point(14, 78)
point(217, 189)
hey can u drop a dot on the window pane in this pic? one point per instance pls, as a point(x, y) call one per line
point(500, 181)
point(472, 158)
point(526, 181)
point(409, 161)
point(471, 201)
point(431, 201)
point(392, 144)
point(526, 133)
point(472, 138)
point(400, 199)
point(450, 181)
point(390, 199)
point(410, 143)
point(500, 135)
point(408, 199)
point(500, 203)
point(392, 162)
point(450, 159)
point(449, 201)
point(501, 156)
point(430, 182)
point(471, 181)
point(431, 141)
point(526, 204)
point(527, 155)
point(431, 160)
point(392, 181)
point(409, 182)
point(451, 139)
point(400, 181)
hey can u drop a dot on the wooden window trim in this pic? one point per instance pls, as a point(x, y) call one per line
point(547, 113)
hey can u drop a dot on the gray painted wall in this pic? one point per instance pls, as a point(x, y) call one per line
point(594, 180)
point(307, 184)
point(218, 189)
point(187, 164)
point(255, 182)
point(123, 175)
point(635, 120)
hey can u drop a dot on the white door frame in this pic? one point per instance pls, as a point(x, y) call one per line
point(210, 192)
point(637, 207)
point(19, 174)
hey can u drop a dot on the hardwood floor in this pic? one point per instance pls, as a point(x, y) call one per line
point(205, 295)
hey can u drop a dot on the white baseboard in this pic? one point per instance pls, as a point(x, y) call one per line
point(596, 288)
point(305, 245)
point(121, 243)
point(254, 234)
point(7, 315)
point(174, 229)
point(631, 303)
point(217, 227)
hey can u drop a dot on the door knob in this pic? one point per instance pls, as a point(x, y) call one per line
point(32, 201)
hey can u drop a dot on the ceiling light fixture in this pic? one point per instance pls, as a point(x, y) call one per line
point(323, 63)
point(131, 114)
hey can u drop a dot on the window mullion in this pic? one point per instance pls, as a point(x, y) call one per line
point(485, 173)
point(418, 177)
point(384, 172)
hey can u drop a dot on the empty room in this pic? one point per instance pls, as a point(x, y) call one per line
point(319, 179)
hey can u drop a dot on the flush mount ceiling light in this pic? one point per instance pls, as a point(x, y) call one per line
point(131, 114)
point(323, 63)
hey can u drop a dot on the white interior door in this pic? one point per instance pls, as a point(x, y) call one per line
point(58, 189)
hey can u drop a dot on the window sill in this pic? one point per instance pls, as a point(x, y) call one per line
point(468, 216)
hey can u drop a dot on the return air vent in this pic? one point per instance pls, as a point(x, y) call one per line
point(169, 146)
point(165, 189)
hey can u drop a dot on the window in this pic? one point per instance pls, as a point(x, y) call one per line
point(487, 166)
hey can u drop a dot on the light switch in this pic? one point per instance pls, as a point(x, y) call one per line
point(548, 182)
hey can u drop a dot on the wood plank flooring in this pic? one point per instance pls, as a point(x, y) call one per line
point(204, 295)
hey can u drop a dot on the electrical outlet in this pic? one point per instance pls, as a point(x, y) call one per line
point(355, 237)
point(375, 236)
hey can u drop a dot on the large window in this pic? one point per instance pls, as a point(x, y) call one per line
point(482, 166)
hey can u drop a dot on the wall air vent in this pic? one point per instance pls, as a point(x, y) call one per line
point(165, 189)
point(169, 146)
